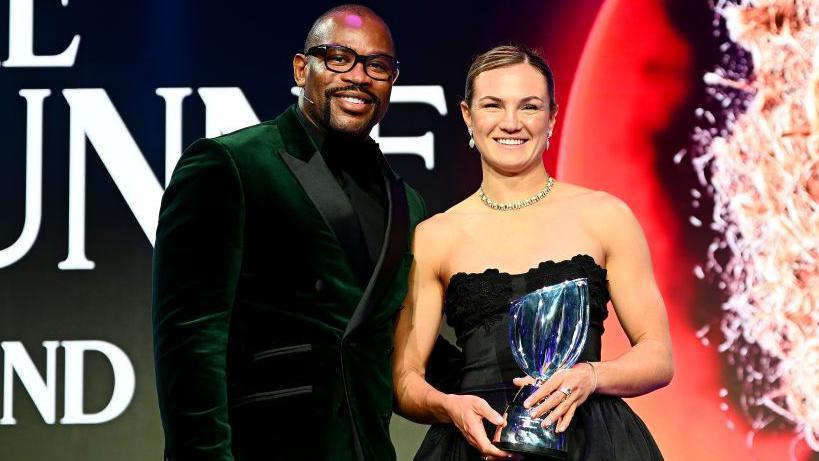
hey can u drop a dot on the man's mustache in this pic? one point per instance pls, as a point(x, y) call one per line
point(330, 92)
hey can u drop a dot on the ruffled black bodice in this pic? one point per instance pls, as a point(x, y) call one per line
point(482, 299)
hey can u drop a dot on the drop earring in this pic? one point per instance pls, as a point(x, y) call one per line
point(471, 139)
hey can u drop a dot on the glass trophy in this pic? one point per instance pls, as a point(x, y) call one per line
point(547, 331)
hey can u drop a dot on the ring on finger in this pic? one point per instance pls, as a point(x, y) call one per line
point(567, 391)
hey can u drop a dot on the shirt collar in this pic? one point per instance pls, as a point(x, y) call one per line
point(367, 152)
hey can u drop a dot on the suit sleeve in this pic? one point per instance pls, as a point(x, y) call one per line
point(424, 210)
point(197, 260)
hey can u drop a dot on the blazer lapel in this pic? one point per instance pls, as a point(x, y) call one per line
point(323, 190)
point(319, 184)
point(392, 252)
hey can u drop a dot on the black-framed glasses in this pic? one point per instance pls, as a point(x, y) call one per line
point(340, 59)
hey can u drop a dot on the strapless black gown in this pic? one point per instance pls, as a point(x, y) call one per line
point(604, 428)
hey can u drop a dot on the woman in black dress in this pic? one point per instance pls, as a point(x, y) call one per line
point(520, 231)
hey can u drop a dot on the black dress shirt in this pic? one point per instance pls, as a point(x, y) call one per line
point(357, 168)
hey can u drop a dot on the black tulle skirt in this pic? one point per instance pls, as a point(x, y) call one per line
point(604, 428)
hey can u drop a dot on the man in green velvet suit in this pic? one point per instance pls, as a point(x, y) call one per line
point(282, 256)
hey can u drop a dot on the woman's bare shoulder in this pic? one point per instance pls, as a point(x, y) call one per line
point(449, 221)
point(439, 233)
point(435, 232)
point(596, 202)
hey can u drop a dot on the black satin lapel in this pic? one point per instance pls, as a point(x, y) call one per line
point(332, 203)
point(392, 253)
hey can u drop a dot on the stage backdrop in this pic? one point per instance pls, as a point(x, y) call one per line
point(710, 136)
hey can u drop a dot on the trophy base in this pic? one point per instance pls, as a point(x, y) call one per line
point(540, 454)
point(524, 434)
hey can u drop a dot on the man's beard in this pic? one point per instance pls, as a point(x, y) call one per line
point(337, 131)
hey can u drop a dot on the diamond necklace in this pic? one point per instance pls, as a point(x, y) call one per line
point(520, 203)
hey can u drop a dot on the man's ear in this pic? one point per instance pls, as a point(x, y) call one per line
point(300, 69)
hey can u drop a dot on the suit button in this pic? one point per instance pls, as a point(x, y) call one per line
point(319, 285)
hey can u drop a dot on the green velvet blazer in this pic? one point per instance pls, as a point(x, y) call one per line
point(266, 345)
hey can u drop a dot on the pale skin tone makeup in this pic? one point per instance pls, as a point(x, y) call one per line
point(510, 118)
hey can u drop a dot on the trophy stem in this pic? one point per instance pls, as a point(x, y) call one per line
point(523, 434)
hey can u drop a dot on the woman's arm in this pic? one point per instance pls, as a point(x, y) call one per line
point(415, 332)
point(639, 306)
point(648, 364)
point(415, 335)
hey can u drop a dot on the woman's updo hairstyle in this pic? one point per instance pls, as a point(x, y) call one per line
point(509, 55)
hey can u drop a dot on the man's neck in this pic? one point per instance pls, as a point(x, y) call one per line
point(316, 133)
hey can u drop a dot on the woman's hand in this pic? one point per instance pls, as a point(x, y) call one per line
point(467, 413)
point(550, 398)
